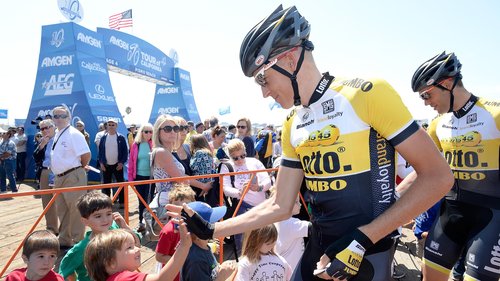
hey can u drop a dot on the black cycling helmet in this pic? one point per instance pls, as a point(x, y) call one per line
point(436, 69)
point(281, 30)
point(433, 71)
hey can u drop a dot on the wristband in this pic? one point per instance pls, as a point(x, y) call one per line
point(197, 225)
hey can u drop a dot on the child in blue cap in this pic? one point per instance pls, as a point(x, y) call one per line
point(200, 263)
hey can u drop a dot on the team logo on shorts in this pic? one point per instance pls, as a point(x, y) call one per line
point(434, 245)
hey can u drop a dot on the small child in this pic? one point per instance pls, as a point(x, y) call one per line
point(169, 234)
point(201, 263)
point(259, 260)
point(96, 213)
point(113, 256)
point(291, 232)
point(40, 252)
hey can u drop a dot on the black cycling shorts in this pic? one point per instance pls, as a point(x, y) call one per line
point(465, 226)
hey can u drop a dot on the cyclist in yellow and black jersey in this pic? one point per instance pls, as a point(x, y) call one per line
point(341, 136)
point(467, 132)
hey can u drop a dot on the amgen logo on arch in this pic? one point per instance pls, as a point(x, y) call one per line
point(168, 110)
point(167, 91)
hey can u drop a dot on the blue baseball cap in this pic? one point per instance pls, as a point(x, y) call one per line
point(206, 212)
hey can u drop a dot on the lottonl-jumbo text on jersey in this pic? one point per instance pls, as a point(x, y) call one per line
point(470, 141)
point(344, 142)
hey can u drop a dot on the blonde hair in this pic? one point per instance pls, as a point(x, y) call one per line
point(254, 240)
point(101, 252)
point(180, 122)
point(138, 137)
point(199, 142)
point(235, 145)
point(181, 192)
point(156, 128)
point(48, 122)
point(248, 124)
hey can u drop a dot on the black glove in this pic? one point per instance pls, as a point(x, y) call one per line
point(346, 254)
point(197, 225)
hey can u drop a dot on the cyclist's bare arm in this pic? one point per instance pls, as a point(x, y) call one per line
point(272, 210)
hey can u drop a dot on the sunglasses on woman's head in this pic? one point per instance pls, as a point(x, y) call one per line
point(168, 129)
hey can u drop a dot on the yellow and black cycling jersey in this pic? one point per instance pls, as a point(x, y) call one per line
point(470, 142)
point(344, 142)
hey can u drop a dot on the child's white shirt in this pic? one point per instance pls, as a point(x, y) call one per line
point(290, 244)
point(270, 267)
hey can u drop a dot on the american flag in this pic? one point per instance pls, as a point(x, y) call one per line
point(121, 20)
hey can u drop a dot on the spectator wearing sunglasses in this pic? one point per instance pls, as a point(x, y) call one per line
point(69, 155)
point(47, 177)
point(244, 133)
point(259, 184)
point(139, 167)
point(165, 165)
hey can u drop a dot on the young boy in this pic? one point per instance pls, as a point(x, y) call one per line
point(96, 213)
point(40, 252)
point(169, 235)
point(200, 263)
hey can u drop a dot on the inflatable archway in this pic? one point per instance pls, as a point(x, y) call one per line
point(73, 70)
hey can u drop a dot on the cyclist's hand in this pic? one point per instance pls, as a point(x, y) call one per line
point(346, 255)
point(195, 223)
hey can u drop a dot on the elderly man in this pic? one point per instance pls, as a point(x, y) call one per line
point(69, 155)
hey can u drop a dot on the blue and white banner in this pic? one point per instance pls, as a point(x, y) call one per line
point(176, 100)
point(68, 37)
point(4, 113)
point(225, 110)
point(127, 52)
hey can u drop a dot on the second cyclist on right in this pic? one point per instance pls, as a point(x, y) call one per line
point(467, 132)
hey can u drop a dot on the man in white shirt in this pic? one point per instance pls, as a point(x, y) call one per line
point(21, 154)
point(70, 153)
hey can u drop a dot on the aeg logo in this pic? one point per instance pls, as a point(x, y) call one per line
point(61, 84)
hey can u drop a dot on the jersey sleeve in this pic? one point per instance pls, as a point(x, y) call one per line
point(431, 130)
point(387, 113)
point(289, 156)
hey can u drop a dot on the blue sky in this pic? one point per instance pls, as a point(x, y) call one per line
point(386, 38)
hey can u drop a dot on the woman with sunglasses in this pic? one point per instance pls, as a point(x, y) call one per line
point(259, 184)
point(244, 133)
point(139, 167)
point(165, 165)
